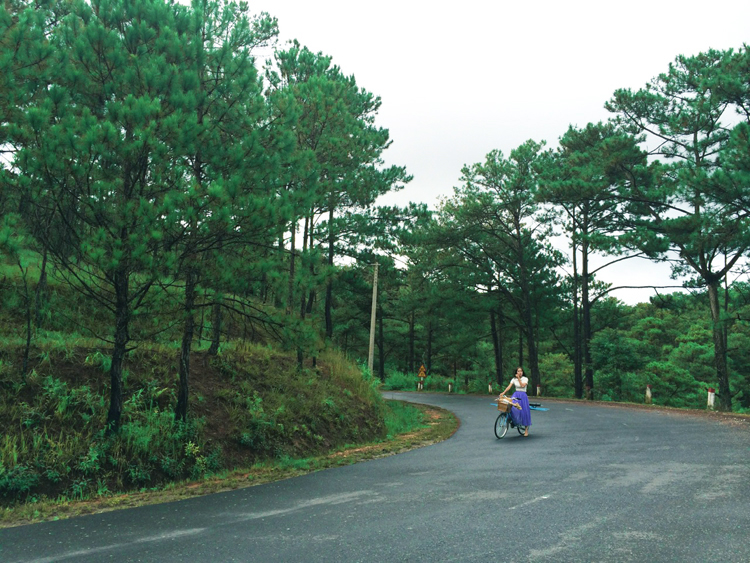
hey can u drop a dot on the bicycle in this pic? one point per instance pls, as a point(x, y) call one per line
point(504, 421)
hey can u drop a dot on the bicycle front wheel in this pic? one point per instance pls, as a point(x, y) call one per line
point(501, 425)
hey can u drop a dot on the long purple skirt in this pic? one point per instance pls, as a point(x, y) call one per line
point(522, 417)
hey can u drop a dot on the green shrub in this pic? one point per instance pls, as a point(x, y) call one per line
point(398, 381)
point(17, 481)
point(439, 383)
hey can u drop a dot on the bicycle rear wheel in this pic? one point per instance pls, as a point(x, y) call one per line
point(521, 429)
point(501, 425)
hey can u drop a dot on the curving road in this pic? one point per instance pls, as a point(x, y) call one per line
point(591, 483)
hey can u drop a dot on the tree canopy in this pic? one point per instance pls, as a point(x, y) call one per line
point(186, 191)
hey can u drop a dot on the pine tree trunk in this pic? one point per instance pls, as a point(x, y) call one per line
point(201, 326)
point(381, 346)
point(40, 298)
point(216, 313)
point(264, 288)
point(300, 351)
point(310, 301)
point(577, 366)
point(725, 324)
point(304, 257)
point(312, 296)
point(122, 321)
point(411, 342)
point(532, 346)
point(329, 284)
point(586, 310)
point(27, 308)
point(180, 412)
point(429, 347)
point(292, 251)
point(720, 352)
point(277, 291)
point(216, 320)
point(497, 347)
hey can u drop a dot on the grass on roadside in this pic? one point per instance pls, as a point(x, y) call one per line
point(409, 426)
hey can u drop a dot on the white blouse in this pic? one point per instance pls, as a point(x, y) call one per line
point(522, 385)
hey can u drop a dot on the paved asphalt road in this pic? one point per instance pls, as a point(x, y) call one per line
point(591, 483)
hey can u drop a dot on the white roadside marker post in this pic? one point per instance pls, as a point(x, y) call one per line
point(711, 398)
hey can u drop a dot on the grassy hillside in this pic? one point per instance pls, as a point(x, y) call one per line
point(249, 404)
point(252, 412)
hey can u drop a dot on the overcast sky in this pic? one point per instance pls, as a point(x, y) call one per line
point(460, 79)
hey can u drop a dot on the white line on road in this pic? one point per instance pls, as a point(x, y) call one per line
point(116, 546)
point(532, 501)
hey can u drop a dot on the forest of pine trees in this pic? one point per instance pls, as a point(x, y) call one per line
point(158, 184)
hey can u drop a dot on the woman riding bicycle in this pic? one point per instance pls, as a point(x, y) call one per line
point(522, 417)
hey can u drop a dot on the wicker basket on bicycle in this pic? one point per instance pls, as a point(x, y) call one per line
point(504, 404)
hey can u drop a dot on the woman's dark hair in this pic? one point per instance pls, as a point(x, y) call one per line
point(522, 372)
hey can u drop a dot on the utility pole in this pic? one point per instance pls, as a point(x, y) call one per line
point(371, 356)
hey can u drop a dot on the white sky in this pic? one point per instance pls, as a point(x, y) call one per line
point(460, 79)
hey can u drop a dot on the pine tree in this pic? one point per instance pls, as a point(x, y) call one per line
point(491, 222)
point(228, 161)
point(98, 153)
point(583, 179)
point(687, 111)
point(341, 149)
